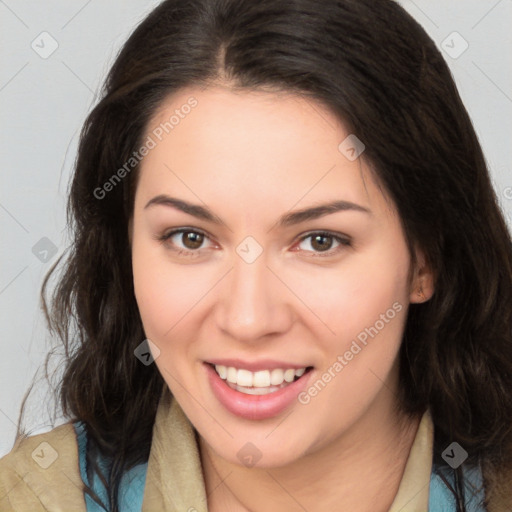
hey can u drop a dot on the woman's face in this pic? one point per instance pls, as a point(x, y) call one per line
point(252, 284)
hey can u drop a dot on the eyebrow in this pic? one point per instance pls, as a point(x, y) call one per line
point(288, 219)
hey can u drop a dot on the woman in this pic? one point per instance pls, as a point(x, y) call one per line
point(290, 279)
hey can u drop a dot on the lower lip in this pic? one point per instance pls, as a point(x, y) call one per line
point(255, 407)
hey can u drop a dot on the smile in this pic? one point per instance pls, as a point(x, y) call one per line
point(256, 395)
point(260, 382)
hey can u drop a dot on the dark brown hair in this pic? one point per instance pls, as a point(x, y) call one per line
point(376, 69)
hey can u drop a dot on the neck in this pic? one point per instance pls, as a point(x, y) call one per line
point(360, 470)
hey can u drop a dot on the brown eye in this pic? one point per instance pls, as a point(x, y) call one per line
point(192, 239)
point(321, 242)
point(184, 241)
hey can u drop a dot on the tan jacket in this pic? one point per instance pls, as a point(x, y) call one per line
point(174, 481)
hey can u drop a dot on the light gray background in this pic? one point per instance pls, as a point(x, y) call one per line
point(44, 102)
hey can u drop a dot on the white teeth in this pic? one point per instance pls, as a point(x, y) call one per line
point(300, 372)
point(276, 377)
point(259, 379)
point(289, 375)
point(257, 391)
point(231, 374)
point(244, 378)
point(222, 371)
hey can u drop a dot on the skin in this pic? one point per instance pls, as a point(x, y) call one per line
point(251, 157)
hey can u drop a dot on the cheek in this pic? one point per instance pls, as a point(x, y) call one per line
point(149, 289)
point(365, 304)
point(163, 294)
point(166, 296)
point(354, 296)
point(165, 300)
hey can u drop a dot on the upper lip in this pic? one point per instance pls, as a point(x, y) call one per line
point(254, 366)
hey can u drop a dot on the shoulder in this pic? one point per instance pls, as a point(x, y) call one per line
point(483, 491)
point(41, 473)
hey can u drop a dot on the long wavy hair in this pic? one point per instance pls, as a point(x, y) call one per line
point(376, 69)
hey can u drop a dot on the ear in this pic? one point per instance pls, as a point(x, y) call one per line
point(422, 282)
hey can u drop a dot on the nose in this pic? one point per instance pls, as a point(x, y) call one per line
point(254, 303)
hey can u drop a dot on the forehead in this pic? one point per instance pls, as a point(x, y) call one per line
point(252, 146)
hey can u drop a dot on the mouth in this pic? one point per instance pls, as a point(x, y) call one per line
point(256, 395)
point(261, 382)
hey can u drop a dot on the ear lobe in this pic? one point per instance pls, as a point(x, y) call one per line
point(422, 284)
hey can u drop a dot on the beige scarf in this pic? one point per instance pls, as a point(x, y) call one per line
point(175, 483)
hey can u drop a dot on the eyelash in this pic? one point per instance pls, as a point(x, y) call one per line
point(343, 241)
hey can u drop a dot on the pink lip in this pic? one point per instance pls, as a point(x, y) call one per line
point(255, 407)
point(254, 366)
